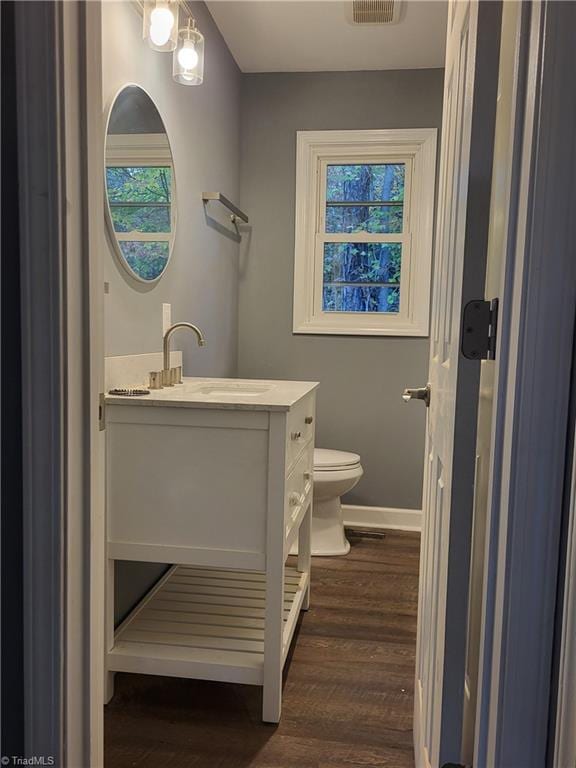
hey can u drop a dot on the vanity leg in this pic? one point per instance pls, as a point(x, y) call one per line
point(273, 642)
point(304, 551)
point(109, 636)
point(275, 558)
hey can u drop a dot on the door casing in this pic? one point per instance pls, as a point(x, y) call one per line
point(509, 84)
point(60, 149)
point(532, 400)
point(531, 419)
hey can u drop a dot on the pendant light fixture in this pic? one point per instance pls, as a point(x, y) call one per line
point(161, 24)
point(188, 56)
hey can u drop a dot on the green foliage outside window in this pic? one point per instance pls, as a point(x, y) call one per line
point(140, 202)
point(371, 182)
point(147, 259)
point(139, 184)
point(363, 277)
point(374, 219)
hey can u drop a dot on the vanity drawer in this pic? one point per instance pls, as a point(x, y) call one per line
point(299, 487)
point(300, 428)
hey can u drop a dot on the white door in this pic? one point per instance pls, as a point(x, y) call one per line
point(461, 236)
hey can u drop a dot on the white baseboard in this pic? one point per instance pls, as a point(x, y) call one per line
point(382, 517)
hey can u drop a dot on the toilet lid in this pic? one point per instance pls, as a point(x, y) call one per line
point(324, 458)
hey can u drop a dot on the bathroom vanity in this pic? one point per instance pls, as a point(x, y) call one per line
point(215, 477)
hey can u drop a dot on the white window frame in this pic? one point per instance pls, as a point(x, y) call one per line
point(416, 147)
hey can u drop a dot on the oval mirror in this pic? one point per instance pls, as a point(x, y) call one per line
point(140, 191)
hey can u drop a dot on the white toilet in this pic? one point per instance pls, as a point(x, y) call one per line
point(335, 473)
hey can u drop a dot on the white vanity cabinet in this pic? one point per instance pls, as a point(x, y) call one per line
point(215, 479)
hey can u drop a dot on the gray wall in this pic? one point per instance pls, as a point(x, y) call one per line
point(201, 281)
point(359, 403)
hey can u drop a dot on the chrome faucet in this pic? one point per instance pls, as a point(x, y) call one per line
point(167, 336)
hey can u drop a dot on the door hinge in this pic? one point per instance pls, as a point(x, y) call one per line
point(101, 412)
point(479, 329)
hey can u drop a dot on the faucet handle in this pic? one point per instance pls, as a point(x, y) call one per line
point(175, 375)
point(155, 380)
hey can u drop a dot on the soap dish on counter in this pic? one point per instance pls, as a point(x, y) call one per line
point(129, 391)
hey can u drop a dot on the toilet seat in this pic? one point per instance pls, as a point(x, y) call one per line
point(327, 460)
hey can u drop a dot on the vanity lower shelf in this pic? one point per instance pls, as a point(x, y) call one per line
point(205, 623)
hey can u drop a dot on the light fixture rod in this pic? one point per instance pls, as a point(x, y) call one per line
point(184, 4)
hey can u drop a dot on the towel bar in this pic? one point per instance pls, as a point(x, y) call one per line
point(219, 197)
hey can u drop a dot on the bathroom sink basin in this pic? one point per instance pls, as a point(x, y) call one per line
point(232, 390)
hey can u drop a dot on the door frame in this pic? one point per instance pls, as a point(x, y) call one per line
point(42, 303)
point(531, 427)
point(60, 158)
point(532, 399)
point(563, 750)
point(94, 141)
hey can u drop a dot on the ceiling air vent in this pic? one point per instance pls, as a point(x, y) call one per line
point(376, 11)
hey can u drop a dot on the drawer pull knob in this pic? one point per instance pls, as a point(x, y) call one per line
point(295, 499)
point(296, 435)
point(307, 475)
point(308, 419)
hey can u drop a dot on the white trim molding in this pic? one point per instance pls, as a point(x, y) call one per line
point(416, 150)
point(380, 518)
point(138, 149)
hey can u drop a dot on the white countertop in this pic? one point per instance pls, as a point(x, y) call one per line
point(232, 394)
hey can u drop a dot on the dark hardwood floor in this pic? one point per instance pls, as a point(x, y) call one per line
point(349, 684)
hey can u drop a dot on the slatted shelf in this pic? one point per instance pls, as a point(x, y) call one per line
point(204, 623)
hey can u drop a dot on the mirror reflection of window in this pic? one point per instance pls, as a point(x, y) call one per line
point(140, 185)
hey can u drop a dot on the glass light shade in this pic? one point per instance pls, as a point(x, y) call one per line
point(161, 24)
point(188, 58)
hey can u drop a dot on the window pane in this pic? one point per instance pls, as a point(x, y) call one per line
point(362, 262)
point(139, 184)
point(383, 182)
point(146, 259)
point(361, 298)
point(347, 218)
point(138, 218)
